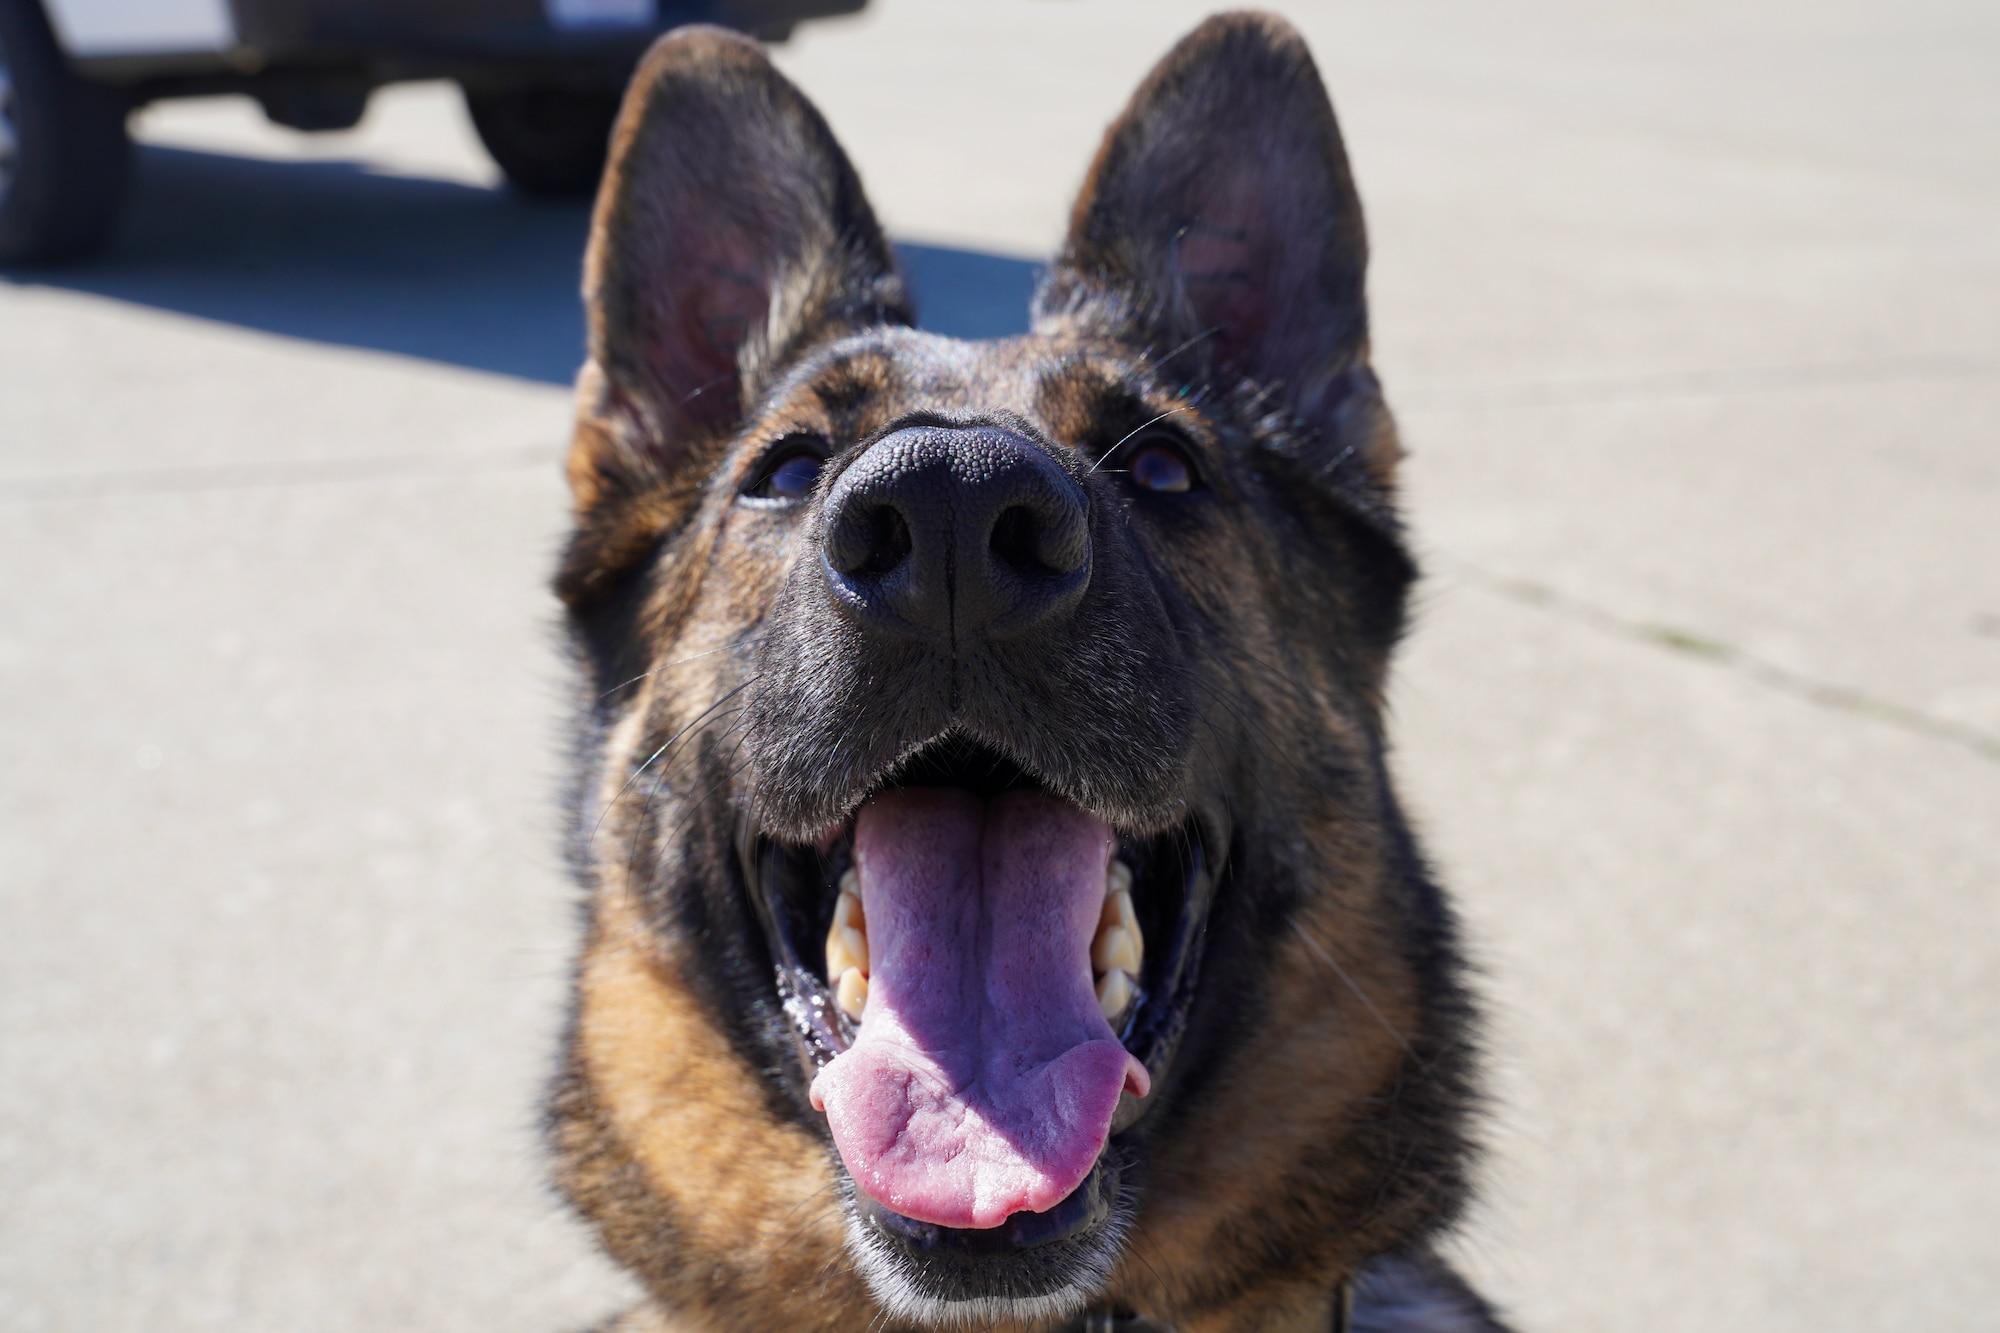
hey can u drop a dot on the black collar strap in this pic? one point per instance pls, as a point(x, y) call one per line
point(1106, 1321)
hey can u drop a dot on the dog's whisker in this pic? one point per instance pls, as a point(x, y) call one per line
point(1170, 412)
point(703, 719)
point(640, 825)
point(1141, 1244)
point(726, 377)
point(701, 799)
point(670, 742)
point(1319, 950)
point(1205, 334)
point(668, 666)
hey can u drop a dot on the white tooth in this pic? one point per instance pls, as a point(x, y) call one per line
point(1128, 916)
point(847, 939)
point(1117, 878)
point(1114, 993)
point(857, 945)
point(1119, 918)
point(1115, 948)
point(846, 947)
point(853, 993)
point(850, 885)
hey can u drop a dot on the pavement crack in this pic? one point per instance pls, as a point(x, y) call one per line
point(1728, 657)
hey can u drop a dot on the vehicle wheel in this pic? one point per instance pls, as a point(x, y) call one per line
point(64, 157)
point(550, 141)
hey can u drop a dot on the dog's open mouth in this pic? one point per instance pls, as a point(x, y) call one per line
point(984, 980)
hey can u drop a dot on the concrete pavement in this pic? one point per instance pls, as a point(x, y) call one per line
point(1692, 318)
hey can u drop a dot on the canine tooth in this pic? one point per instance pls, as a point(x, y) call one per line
point(1116, 948)
point(1114, 992)
point(846, 948)
point(850, 886)
point(852, 996)
point(847, 939)
point(1117, 878)
point(1119, 918)
point(1128, 915)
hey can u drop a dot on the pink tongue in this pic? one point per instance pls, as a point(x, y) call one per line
point(984, 1076)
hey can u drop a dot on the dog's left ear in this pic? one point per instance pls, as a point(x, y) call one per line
point(1220, 225)
point(730, 233)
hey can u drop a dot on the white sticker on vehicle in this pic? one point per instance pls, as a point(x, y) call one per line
point(140, 27)
point(599, 13)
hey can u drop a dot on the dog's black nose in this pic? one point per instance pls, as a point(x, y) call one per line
point(952, 535)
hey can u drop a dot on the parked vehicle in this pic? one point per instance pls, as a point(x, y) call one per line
point(541, 79)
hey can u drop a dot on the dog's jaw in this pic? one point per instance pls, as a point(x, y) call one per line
point(1157, 889)
point(983, 1073)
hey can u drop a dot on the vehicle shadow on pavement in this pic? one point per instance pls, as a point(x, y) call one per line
point(335, 252)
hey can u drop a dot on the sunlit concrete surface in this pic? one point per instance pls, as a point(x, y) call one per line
point(1692, 317)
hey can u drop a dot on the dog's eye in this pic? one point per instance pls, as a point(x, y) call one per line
point(1159, 466)
point(789, 472)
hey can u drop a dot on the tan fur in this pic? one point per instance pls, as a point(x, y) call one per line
point(755, 1197)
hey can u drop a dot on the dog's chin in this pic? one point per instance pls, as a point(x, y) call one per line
point(1037, 1266)
point(910, 1294)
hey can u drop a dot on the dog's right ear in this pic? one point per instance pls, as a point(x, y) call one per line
point(730, 234)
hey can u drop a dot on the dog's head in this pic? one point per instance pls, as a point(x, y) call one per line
point(999, 901)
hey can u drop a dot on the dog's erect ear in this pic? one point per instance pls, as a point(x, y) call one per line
point(1220, 224)
point(730, 233)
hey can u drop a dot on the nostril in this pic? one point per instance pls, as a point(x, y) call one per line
point(1048, 538)
point(1016, 540)
point(888, 541)
point(870, 540)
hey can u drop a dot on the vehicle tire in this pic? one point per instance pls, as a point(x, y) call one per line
point(551, 142)
point(64, 157)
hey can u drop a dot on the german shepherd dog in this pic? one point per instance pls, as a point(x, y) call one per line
point(1000, 913)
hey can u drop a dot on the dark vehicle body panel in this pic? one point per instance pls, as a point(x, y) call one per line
point(366, 43)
